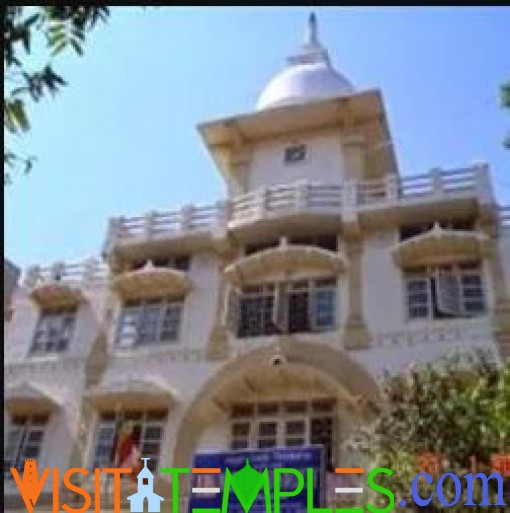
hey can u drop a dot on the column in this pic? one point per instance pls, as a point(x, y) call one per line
point(218, 343)
point(354, 150)
point(356, 335)
point(238, 171)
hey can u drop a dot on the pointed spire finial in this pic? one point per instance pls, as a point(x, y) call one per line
point(311, 37)
point(311, 50)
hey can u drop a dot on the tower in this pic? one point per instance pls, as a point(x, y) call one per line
point(309, 124)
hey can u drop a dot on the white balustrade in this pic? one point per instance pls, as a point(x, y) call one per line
point(87, 271)
point(504, 217)
point(346, 199)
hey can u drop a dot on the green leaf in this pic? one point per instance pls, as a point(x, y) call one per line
point(79, 34)
point(18, 111)
point(59, 47)
point(505, 95)
point(76, 45)
point(9, 121)
point(56, 27)
point(56, 38)
point(61, 26)
point(26, 41)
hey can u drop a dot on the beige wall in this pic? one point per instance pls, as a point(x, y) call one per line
point(324, 162)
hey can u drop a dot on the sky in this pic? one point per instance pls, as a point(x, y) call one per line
point(121, 138)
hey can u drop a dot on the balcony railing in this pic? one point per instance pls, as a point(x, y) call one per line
point(504, 217)
point(305, 197)
point(188, 220)
point(88, 271)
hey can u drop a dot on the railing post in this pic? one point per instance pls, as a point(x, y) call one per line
point(222, 217)
point(112, 232)
point(504, 217)
point(483, 183)
point(261, 202)
point(120, 227)
point(301, 195)
point(223, 212)
point(149, 223)
point(90, 270)
point(57, 271)
point(391, 187)
point(349, 200)
point(32, 275)
point(437, 181)
point(187, 218)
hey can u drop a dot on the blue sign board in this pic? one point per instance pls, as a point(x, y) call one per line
point(299, 458)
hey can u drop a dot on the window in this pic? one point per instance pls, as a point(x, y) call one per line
point(284, 424)
point(323, 304)
point(293, 307)
point(149, 321)
point(324, 241)
point(132, 429)
point(25, 437)
point(445, 292)
point(412, 230)
point(256, 308)
point(54, 330)
point(295, 153)
point(178, 262)
point(261, 246)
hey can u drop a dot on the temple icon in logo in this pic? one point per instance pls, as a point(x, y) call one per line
point(145, 493)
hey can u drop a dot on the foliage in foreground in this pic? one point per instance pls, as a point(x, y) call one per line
point(458, 408)
point(29, 77)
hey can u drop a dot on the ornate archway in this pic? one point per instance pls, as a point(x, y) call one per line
point(297, 366)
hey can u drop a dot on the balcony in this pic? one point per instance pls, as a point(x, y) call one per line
point(348, 201)
point(61, 284)
point(441, 247)
point(285, 258)
point(151, 281)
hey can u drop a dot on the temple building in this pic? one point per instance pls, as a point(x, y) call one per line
point(268, 318)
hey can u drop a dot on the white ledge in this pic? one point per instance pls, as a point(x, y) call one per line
point(150, 281)
point(56, 294)
point(30, 397)
point(286, 258)
point(440, 246)
point(146, 391)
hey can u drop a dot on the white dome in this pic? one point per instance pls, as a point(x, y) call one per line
point(309, 76)
point(303, 82)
